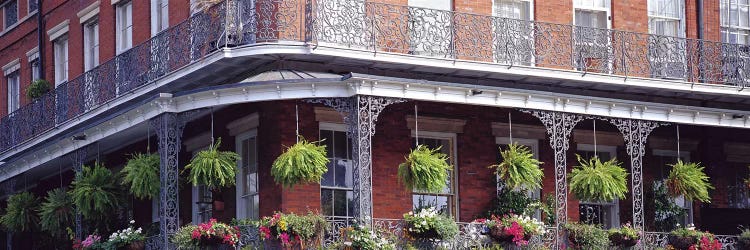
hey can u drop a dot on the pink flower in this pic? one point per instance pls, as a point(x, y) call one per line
point(90, 240)
point(518, 235)
point(265, 232)
point(284, 239)
point(196, 234)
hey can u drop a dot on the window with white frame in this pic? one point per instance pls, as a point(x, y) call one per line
point(665, 17)
point(33, 6)
point(445, 201)
point(248, 198)
point(61, 60)
point(336, 187)
point(10, 12)
point(91, 44)
point(124, 26)
point(592, 39)
point(533, 146)
point(599, 212)
point(735, 21)
point(515, 39)
point(159, 16)
point(664, 158)
point(592, 13)
point(14, 91)
point(35, 74)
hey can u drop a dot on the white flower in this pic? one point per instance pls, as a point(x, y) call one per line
point(132, 221)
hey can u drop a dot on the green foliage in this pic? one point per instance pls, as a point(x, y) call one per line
point(303, 162)
point(141, 174)
point(624, 236)
point(668, 214)
point(427, 223)
point(56, 212)
point(21, 213)
point(519, 168)
point(424, 170)
point(548, 209)
point(306, 227)
point(183, 237)
point(37, 89)
point(96, 192)
point(583, 236)
point(213, 168)
point(689, 180)
point(512, 202)
point(594, 180)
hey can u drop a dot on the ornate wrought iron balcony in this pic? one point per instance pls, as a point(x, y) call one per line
point(379, 28)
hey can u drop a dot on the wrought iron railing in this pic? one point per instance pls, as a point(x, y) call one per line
point(381, 28)
point(153, 243)
point(738, 196)
point(660, 239)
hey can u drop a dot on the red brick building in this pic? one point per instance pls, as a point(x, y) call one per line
point(619, 79)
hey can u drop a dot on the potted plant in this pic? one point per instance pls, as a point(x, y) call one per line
point(56, 212)
point(91, 242)
point(37, 89)
point(21, 213)
point(97, 194)
point(689, 180)
point(594, 180)
point(303, 162)
point(359, 237)
point(209, 235)
point(129, 238)
point(513, 229)
point(744, 240)
point(424, 170)
point(213, 168)
point(291, 231)
point(141, 174)
point(684, 237)
point(584, 236)
point(509, 201)
point(624, 237)
point(519, 168)
point(428, 224)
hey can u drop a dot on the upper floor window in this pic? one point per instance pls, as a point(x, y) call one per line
point(35, 74)
point(10, 12)
point(248, 199)
point(336, 188)
point(515, 9)
point(124, 30)
point(445, 201)
point(14, 91)
point(90, 45)
point(33, 6)
point(61, 60)
point(735, 21)
point(665, 17)
point(159, 16)
point(592, 13)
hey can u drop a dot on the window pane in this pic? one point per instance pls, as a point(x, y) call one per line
point(11, 13)
point(340, 203)
point(431, 4)
point(339, 144)
point(326, 202)
point(343, 173)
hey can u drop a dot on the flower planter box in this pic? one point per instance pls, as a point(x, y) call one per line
point(743, 244)
point(619, 240)
point(138, 245)
point(276, 244)
point(425, 236)
point(681, 243)
point(501, 236)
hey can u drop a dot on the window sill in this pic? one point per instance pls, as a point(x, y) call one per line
point(19, 22)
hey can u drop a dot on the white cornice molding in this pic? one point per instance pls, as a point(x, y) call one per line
point(89, 12)
point(33, 54)
point(11, 67)
point(59, 30)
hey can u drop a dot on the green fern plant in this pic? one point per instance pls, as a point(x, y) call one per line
point(303, 162)
point(37, 89)
point(213, 168)
point(594, 180)
point(424, 170)
point(56, 212)
point(96, 192)
point(519, 168)
point(20, 214)
point(689, 180)
point(141, 174)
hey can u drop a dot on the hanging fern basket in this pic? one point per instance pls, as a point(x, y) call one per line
point(96, 192)
point(141, 174)
point(213, 168)
point(56, 212)
point(303, 162)
point(425, 170)
point(594, 180)
point(21, 213)
point(689, 180)
point(519, 168)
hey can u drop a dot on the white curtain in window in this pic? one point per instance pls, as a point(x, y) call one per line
point(591, 4)
point(591, 19)
point(515, 9)
point(432, 4)
point(665, 17)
